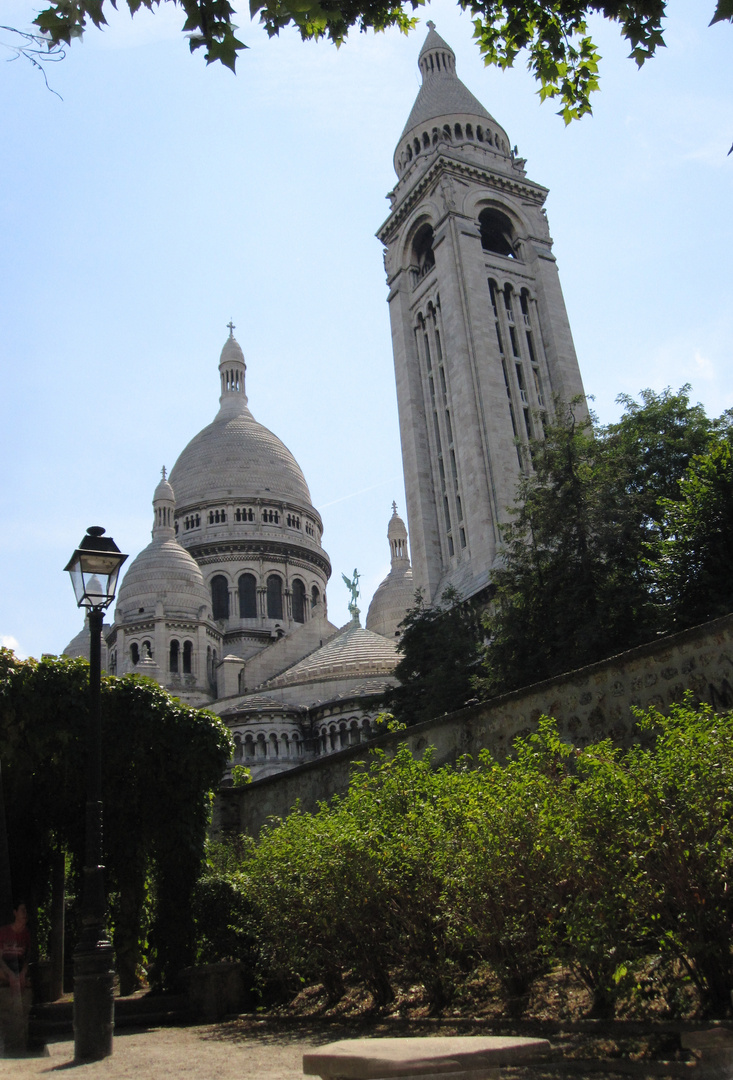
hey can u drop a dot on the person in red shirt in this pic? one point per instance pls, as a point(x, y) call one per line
point(15, 945)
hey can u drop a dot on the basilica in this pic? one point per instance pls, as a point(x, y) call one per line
point(226, 607)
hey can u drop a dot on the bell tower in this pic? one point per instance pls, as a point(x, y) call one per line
point(481, 338)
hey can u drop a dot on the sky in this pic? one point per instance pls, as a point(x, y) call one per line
point(151, 199)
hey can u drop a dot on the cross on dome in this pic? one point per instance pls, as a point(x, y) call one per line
point(394, 508)
point(162, 473)
point(231, 327)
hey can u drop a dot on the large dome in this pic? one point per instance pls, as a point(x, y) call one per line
point(235, 457)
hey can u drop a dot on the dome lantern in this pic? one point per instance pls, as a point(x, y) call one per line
point(232, 370)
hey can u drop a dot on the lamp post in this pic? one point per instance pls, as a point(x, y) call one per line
point(94, 568)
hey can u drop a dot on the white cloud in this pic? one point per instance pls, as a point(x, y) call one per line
point(9, 642)
point(704, 367)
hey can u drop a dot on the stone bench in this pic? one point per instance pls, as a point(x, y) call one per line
point(470, 1057)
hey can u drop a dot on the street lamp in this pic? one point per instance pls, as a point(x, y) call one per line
point(94, 568)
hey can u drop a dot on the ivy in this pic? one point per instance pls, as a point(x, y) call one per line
point(161, 760)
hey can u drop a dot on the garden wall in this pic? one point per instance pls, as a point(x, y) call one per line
point(589, 704)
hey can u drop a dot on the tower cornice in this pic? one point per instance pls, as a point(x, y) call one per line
point(526, 190)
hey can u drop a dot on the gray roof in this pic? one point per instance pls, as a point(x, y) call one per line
point(163, 570)
point(235, 457)
point(256, 703)
point(442, 93)
point(352, 652)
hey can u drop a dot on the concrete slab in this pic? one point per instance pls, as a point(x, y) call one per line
point(457, 1056)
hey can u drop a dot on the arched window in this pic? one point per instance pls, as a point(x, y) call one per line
point(274, 597)
point(298, 601)
point(248, 596)
point(135, 653)
point(147, 650)
point(315, 597)
point(497, 233)
point(187, 657)
point(173, 662)
point(220, 597)
point(237, 747)
point(422, 250)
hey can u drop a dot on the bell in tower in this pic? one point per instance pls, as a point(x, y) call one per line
point(481, 338)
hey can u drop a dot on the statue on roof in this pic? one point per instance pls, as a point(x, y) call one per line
point(352, 584)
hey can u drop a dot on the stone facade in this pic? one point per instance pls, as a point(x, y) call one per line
point(590, 704)
point(226, 607)
point(481, 339)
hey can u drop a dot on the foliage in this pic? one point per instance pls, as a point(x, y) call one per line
point(615, 863)
point(576, 583)
point(160, 761)
point(506, 839)
point(553, 33)
point(690, 560)
point(440, 651)
point(684, 810)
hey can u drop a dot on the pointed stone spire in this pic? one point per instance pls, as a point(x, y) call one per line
point(164, 507)
point(442, 93)
point(232, 369)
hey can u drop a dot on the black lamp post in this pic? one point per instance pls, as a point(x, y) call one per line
point(94, 568)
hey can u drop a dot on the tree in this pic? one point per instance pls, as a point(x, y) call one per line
point(441, 649)
point(691, 558)
point(567, 593)
point(576, 583)
point(553, 33)
point(161, 760)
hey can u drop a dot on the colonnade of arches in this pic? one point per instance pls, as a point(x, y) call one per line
point(268, 599)
point(266, 746)
point(450, 133)
point(338, 734)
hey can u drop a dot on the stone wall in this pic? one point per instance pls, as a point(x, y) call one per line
point(592, 703)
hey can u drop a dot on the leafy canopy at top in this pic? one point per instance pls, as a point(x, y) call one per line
point(553, 33)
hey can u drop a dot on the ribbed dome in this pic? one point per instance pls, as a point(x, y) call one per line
point(352, 652)
point(235, 457)
point(391, 602)
point(163, 571)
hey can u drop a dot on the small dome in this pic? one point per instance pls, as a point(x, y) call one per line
point(396, 530)
point(163, 572)
point(391, 602)
point(231, 352)
point(80, 644)
point(396, 594)
point(164, 492)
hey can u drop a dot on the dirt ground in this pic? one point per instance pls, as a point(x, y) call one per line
point(209, 1052)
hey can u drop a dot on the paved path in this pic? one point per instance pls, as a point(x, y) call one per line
point(212, 1052)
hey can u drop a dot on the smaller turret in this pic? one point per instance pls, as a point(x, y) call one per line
point(396, 595)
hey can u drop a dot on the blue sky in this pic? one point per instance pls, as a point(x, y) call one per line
point(160, 198)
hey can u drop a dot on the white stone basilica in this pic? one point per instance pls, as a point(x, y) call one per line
point(226, 607)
